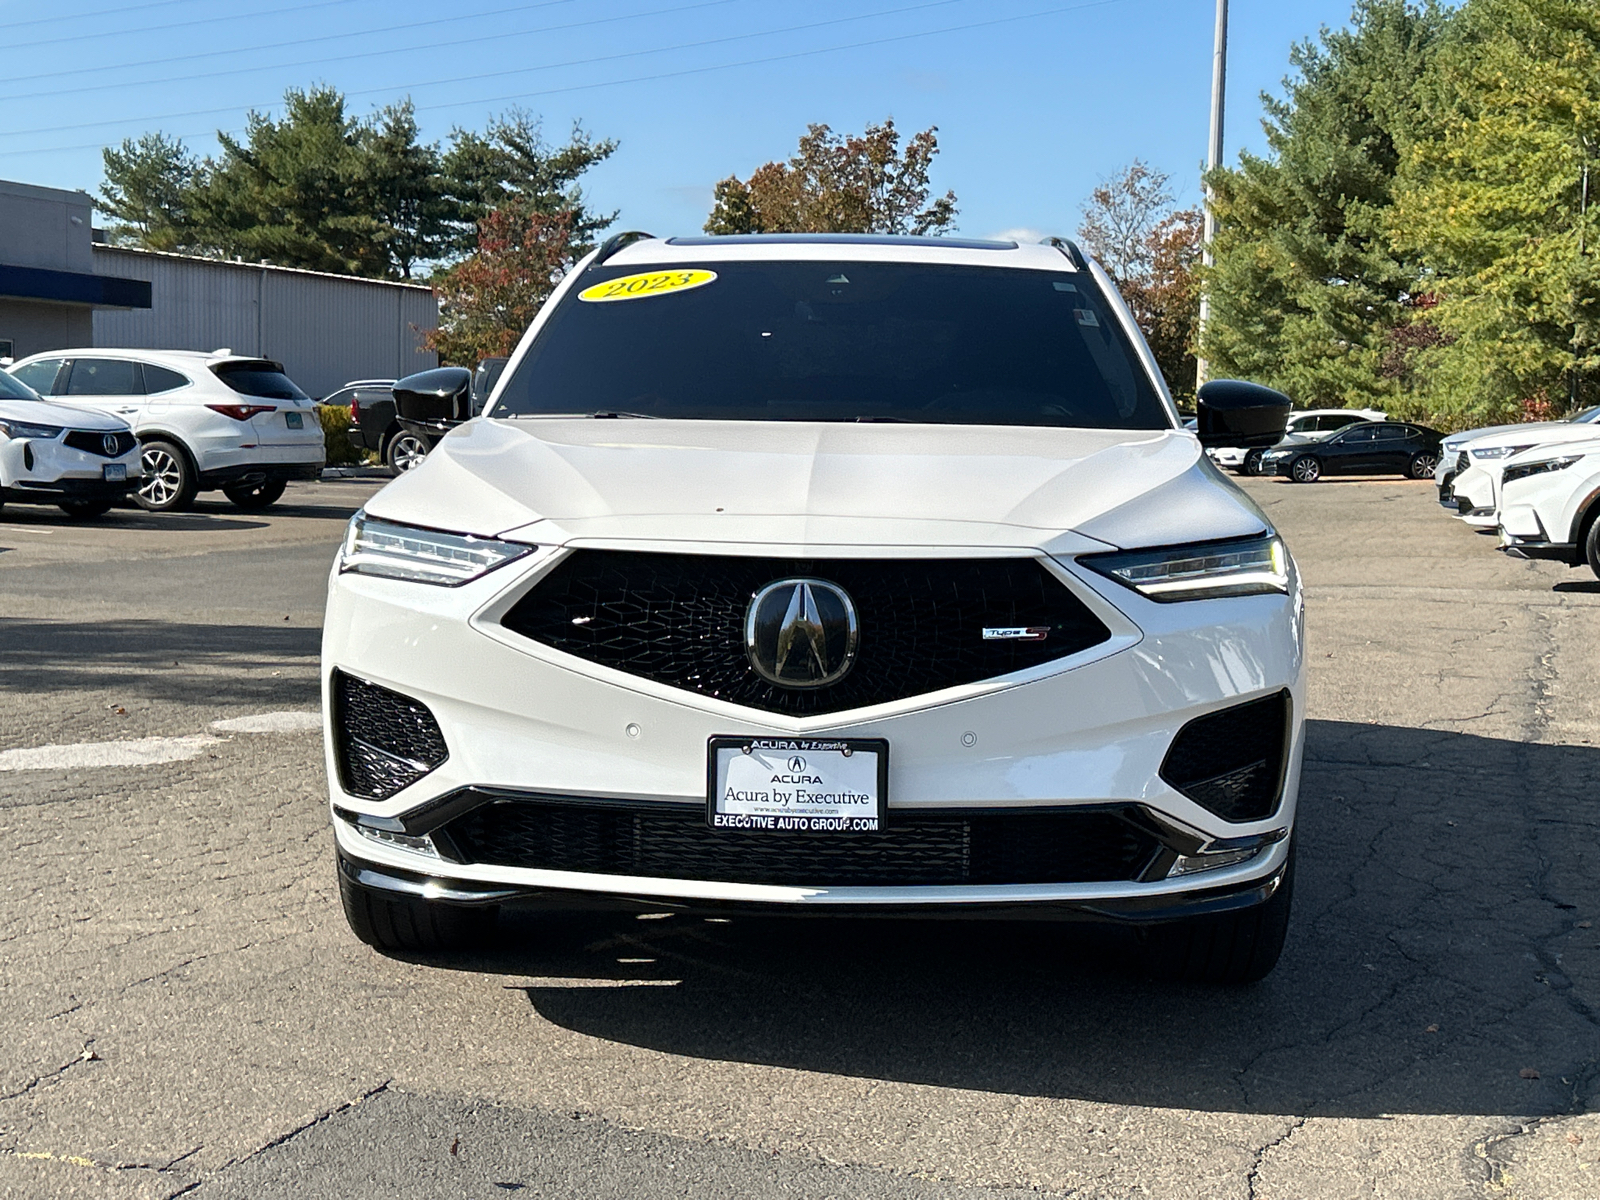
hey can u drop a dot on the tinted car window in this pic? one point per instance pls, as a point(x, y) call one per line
point(104, 377)
point(159, 379)
point(1390, 433)
point(12, 388)
point(1338, 422)
point(1357, 435)
point(263, 379)
point(842, 341)
point(41, 375)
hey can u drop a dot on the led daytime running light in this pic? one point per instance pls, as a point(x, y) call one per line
point(393, 551)
point(25, 429)
point(1494, 452)
point(1250, 567)
point(1523, 470)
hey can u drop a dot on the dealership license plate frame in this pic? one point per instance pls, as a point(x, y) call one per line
point(716, 747)
point(114, 472)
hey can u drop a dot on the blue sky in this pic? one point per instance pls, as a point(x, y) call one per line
point(1035, 100)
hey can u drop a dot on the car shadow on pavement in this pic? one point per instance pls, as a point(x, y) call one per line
point(129, 519)
point(225, 665)
point(1443, 948)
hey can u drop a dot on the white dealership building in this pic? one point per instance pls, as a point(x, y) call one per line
point(62, 286)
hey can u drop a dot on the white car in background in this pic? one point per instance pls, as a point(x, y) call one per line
point(84, 462)
point(205, 421)
point(1549, 502)
point(1313, 422)
point(1453, 459)
point(1475, 487)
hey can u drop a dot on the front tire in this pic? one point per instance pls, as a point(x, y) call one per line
point(1305, 470)
point(410, 925)
point(1229, 948)
point(170, 484)
point(1252, 462)
point(253, 497)
point(1423, 465)
point(1591, 547)
point(405, 452)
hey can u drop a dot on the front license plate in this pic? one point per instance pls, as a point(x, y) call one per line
point(800, 785)
point(115, 471)
point(295, 420)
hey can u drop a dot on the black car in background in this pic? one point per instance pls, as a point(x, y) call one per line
point(375, 425)
point(1366, 448)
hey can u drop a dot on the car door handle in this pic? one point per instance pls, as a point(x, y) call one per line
point(129, 409)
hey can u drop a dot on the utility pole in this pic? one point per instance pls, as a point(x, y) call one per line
point(1219, 91)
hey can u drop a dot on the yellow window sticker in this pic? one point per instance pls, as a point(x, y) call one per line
point(652, 283)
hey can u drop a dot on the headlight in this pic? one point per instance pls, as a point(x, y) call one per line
point(1246, 567)
point(1523, 470)
point(373, 547)
point(1490, 453)
point(23, 429)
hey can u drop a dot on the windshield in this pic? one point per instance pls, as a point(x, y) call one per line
point(12, 388)
point(842, 341)
point(1586, 417)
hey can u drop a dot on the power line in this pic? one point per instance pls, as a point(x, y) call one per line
point(98, 12)
point(749, 62)
point(327, 37)
point(313, 62)
point(266, 12)
point(579, 62)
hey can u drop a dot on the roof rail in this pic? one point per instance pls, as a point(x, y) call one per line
point(1070, 248)
point(617, 241)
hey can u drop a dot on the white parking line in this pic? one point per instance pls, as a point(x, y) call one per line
point(136, 752)
point(272, 722)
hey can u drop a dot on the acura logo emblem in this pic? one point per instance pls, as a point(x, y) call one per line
point(109, 445)
point(801, 633)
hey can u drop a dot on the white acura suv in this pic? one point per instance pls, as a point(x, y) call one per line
point(1550, 503)
point(81, 462)
point(205, 422)
point(825, 574)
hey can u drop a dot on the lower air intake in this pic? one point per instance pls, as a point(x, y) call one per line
point(917, 848)
point(383, 741)
point(1232, 762)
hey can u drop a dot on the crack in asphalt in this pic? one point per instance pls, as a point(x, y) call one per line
point(1260, 1156)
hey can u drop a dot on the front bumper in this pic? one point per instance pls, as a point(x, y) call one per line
point(49, 471)
point(1473, 492)
point(1216, 896)
point(1088, 732)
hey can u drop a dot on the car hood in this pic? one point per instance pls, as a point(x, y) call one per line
point(1456, 440)
point(1541, 433)
point(1290, 440)
point(42, 412)
point(799, 485)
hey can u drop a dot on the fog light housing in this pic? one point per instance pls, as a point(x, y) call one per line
point(1191, 864)
point(399, 841)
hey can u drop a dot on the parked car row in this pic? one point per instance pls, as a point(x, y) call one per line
point(183, 422)
point(1537, 484)
point(401, 426)
point(1337, 441)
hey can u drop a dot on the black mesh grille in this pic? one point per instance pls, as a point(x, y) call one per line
point(94, 443)
point(383, 741)
point(915, 848)
point(1231, 762)
point(678, 619)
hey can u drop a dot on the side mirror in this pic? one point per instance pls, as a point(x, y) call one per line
point(435, 400)
point(1235, 413)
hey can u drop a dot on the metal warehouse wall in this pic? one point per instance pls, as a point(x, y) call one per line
point(325, 329)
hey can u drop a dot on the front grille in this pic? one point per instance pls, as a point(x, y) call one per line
point(678, 619)
point(915, 849)
point(91, 442)
point(1232, 762)
point(383, 741)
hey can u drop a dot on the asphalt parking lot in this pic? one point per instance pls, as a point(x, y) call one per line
point(183, 1011)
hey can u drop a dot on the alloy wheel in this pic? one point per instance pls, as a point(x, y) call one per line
point(1252, 462)
point(1423, 465)
point(1306, 470)
point(407, 453)
point(163, 476)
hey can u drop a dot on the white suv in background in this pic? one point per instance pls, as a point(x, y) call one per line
point(1475, 488)
point(1550, 502)
point(205, 421)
